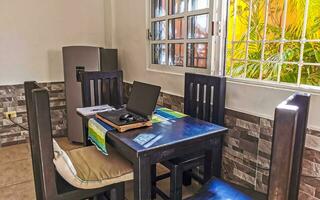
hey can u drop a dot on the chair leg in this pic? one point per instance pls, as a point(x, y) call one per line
point(176, 183)
point(153, 181)
point(187, 177)
point(118, 192)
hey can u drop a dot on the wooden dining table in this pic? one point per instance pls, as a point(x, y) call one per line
point(176, 138)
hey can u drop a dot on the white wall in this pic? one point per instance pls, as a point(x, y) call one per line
point(32, 33)
point(129, 36)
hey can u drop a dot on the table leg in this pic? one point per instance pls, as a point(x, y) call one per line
point(186, 177)
point(153, 180)
point(213, 160)
point(142, 179)
point(217, 157)
point(208, 165)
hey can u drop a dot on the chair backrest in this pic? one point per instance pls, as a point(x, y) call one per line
point(204, 97)
point(107, 88)
point(40, 134)
point(290, 122)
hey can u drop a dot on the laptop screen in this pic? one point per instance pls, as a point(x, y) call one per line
point(143, 98)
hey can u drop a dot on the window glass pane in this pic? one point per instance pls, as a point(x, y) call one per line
point(311, 52)
point(242, 18)
point(253, 70)
point(159, 30)
point(176, 28)
point(295, 17)
point(230, 21)
point(313, 25)
point(159, 54)
point(228, 67)
point(239, 51)
point(254, 50)
point(198, 26)
point(197, 55)
point(158, 8)
point(275, 15)
point(238, 70)
point(272, 51)
point(176, 6)
point(228, 59)
point(257, 20)
point(176, 52)
point(310, 75)
point(291, 51)
point(289, 73)
point(197, 4)
point(270, 71)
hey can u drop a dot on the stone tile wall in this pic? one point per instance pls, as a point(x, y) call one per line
point(247, 150)
point(12, 99)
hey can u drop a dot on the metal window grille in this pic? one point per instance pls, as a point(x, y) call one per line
point(240, 66)
point(185, 40)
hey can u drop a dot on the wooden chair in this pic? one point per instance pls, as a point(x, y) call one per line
point(204, 98)
point(49, 185)
point(290, 122)
point(100, 88)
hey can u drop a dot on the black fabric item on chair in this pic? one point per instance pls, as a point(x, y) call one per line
point(204, 98)
point(107, 89)
point(49, 185)
point(291, 118)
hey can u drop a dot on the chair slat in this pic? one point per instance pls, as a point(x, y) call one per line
point(208, 99)
point(201, 104)
point(96, 92)
point(193, 100)
point(86, 90)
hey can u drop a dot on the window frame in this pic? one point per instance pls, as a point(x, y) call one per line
point(172, 69)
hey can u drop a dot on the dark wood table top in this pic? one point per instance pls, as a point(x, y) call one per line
point(171, 132)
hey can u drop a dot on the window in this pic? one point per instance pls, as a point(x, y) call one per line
point(180, 35)
point(274, 40)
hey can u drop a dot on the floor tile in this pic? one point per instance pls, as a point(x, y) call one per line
point(15, 172)
point(14, 153)
point(22, 191)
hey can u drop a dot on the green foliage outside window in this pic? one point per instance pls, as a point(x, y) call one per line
point(247, 53)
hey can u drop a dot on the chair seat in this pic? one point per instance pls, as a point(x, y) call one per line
point(217, 189)
point(93, 169)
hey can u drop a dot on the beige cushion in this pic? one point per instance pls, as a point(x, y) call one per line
point(93, 169)
point(59, 152)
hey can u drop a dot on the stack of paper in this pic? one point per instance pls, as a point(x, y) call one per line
point(94, 110)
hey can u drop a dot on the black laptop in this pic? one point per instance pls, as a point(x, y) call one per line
point(141, 104)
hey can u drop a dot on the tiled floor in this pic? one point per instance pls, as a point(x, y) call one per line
point(16, 177)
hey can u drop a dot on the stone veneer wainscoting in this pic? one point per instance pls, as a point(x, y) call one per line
point(247, 146)
point(12, 99)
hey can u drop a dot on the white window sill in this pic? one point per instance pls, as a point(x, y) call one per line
point(176, 70)
point(275, 85)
